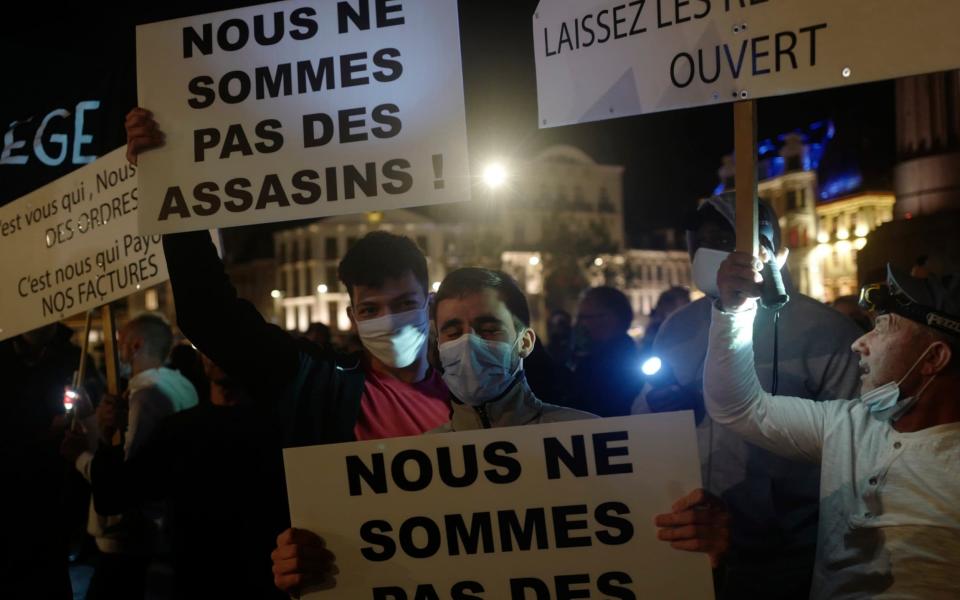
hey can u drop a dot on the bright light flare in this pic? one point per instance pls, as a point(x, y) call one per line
point(495, 175)
point(651, 366)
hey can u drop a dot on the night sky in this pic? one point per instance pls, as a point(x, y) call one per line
point(57, 52)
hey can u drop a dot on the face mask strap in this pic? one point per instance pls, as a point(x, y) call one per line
point(917, 362)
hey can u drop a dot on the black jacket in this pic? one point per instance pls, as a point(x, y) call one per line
point(315, 396)
point(220, 473)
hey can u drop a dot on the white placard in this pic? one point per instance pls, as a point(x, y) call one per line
point(73, 245)
point(602, 59)
point(562, 510)
point(299, 109)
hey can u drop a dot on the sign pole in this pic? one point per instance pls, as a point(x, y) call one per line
point(111, 359)
point(80, 375)
point(745, 159)
point(84, 351)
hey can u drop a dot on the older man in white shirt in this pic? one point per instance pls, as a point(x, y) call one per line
point(889, 493)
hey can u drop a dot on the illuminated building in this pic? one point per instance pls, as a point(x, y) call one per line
point(844, 224)
point(824, 224)
point(307, 258)
point(642, 275)
point(510, 226)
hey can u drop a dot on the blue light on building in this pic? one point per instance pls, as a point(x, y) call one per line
point(840, 185)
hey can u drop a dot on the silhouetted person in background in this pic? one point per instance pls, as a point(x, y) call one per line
point(560, 336)
point(319, 334)
point(39, 491)
point(606, 360)
point(669, 302)
point(850, 306)
point(220, 472)
point(189, 362)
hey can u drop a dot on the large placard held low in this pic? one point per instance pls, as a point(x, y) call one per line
point(73, 245)
point(300, 109)
point(602, 59)
point(539, 512)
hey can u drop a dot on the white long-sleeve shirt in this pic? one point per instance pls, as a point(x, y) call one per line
point(153, 395)
point(889, 501)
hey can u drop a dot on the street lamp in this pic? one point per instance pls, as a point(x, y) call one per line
point(495, 175)
point(276, 294)
point(322, 288)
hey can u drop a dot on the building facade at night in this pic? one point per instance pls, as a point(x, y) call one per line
point(927, 181)
point(642, 275)
point(560, 201)
point(306, 287)
point(824, 224)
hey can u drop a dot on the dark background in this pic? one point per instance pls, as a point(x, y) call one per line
point(56, 54)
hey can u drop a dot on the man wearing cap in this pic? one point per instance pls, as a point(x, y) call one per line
point(773, 501)
point(889, 493)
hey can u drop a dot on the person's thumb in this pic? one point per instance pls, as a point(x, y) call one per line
point(782, 255)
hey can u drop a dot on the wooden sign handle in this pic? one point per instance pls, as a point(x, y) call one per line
point(745, 158)
point(112, 361)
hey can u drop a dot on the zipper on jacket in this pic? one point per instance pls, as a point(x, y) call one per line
point(484, 418)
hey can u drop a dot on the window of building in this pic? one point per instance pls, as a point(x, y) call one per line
point(151, 300)
point(307, 248)
point(791, 200)
point(331, 251)
point(793, 238)
point(579, 202)
point(350, 242)
point(604, 203)
point(330, 277)
point(518, 233)
point(294, 250)
point(332, 309)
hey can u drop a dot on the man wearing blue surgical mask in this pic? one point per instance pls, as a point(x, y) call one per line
point(889, 495)
point(773, 500)
point(483, 333)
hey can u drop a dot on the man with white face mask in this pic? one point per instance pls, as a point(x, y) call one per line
point(314, 397)
point(773, 500)
point(889, 498)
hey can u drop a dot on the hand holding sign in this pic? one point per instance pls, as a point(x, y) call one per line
point(300, 109)
point(699, 522)
point(301, 558)
point(143, 133)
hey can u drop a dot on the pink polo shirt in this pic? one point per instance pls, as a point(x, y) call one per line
point(391, 408)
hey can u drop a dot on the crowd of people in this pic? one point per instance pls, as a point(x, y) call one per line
point(828, 436)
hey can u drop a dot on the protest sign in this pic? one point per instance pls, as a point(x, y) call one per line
point(73, 245)
point(563, 510)
point(604, 59)
point(302, 109)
